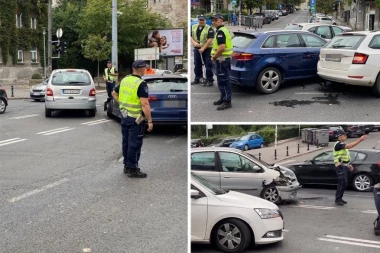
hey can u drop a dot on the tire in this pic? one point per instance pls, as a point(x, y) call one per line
point(272, 85)
point(47, 112)
point(246, 147)
point(262, 145)
point(271, 194)
point(92, 112)
point(3, 105)
point(223, 233)
point(376, 87)
point(362, 182)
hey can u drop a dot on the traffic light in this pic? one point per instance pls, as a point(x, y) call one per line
point(63, 47)
point(57, 45)
point(335, 6)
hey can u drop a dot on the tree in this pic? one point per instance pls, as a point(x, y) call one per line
point(325, 6)
point(97, 48)
point(253, 4)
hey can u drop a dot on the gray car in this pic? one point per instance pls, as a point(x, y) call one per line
point(37, 92)
point(70, 89)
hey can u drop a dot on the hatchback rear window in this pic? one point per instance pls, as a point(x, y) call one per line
point(168, 84)
point(293, 27)
point(66, 78)
point(242, 40)
point(346, 41)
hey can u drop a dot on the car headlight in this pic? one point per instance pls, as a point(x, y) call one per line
point(289, 174)
point(265, 213)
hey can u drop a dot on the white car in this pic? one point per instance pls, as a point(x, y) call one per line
point(324, 31)
point(352, 58)
point(325, 20)
point(232, 220)
point(37, 92)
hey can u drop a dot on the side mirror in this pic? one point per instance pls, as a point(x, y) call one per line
point(194, 194)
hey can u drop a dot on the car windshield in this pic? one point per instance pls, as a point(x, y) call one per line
point(210, 186)
point(350, 41)
point(293, 27)
point(243, 40)
point(76, 78)
point(167, 84)
point(244, 138)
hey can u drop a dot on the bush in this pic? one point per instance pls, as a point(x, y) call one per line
point(36, 76)
point(267, 133)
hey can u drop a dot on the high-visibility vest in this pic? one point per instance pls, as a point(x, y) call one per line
point(112, 78)
point(204, 34)
point(228, 50)
point(343, 154)
point(128, 99)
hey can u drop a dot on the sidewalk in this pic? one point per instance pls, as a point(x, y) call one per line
point(267, 153)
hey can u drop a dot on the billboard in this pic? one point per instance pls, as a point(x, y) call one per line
point(170, 42)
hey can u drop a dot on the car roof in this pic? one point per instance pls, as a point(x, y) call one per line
point(66, 70)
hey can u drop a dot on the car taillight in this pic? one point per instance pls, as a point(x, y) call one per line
point(331, 132)
point(360, 58)
point(49, 92)
point(92, 92)
point(152, 98)
point(242, 56)
point(378, 164)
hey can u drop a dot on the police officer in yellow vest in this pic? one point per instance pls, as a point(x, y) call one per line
point(221, 57)
point(132, 96)
point(342, 162)
point(110, 75)
point(202, 36)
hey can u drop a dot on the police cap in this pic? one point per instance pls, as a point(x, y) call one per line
point(109, 61)
point(218, 16)
point(341, 133)
point(201, 17)
point(138, 64)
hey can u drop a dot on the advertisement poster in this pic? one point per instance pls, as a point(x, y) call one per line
point(169, 41)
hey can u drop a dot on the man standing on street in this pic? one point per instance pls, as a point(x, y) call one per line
point(132, 96)
point(110, 75)
point(202, 36)
point(221, 57)
point(342, 161)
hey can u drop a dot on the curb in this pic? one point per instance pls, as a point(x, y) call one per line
point(311, 151)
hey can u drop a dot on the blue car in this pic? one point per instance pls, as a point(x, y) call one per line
point(194, 21)
point(248, 141)
point(167, 99)
point(265, 60)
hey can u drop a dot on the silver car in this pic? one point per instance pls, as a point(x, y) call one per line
point(70, 89)
point(37, 92)
point(232, 169)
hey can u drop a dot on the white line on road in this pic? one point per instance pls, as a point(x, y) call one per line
point(28, 194)
point(351, 241)
point(289, 161)
point(60, 131)
point(90, 122)
point(213, 93)
point(25, 116)
point(96, 122)
point(316, 207)
point(285, 230)
point(53, 130)
point(11, 141)
point(370, 211)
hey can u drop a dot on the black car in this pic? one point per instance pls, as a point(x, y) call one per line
point(3, 99)
point(333, 132)
point(354, 130)
point(321, 169)
point(226, 142)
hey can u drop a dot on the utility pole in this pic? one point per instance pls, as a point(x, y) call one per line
point(114, 34)
point(239, 14)
point(49, 37)
point(44, 33)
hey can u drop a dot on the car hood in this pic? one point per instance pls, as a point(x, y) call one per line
point(245, 200)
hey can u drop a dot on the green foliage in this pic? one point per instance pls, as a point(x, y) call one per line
point(36, 76)
point(96, 48)
point(325, 6)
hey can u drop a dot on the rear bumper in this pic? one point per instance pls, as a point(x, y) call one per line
point(80, 105)
point(243, 78)
point(169, 117)
point(342, 76)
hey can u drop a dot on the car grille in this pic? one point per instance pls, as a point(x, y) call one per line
point(37, 90)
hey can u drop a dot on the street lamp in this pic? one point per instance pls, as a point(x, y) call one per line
point(114, 34)
point(44, 33)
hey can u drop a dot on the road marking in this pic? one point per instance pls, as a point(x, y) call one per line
point(370, 211)
point(25, 116)
point(213, 93)
point(361, 196)
point(53, 130)
point(285, 230)
point(289, 161)
point(316, 207)
point(11, 141)
point(96, 122)
point(28, 194)
point(60, 131)
point(351, 241)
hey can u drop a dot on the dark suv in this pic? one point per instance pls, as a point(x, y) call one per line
point(3, 99)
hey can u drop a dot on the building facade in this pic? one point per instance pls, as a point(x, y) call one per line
point(175, 11)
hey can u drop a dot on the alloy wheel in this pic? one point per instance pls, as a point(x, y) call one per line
point(2, 105)
point(270, 80)
point(362, 182)
point(229, 236)
point(271, 194)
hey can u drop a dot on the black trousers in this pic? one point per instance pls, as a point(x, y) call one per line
point(341, 172)
point(109, 87)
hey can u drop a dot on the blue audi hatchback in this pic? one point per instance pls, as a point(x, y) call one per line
point(265, 60)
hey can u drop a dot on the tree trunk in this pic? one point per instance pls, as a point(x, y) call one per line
point(98, 74)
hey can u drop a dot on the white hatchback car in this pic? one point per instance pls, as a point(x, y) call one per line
point(324, 31)
point(70, 89)
point(230, 220)
point(325, 20)
point(352, 58)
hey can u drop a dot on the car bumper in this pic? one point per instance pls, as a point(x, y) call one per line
point(81, 105)
point(243, 78)
point(289, 192)
point(37, 95)
point(169, 117)
point(342, 76)
point(268, 225)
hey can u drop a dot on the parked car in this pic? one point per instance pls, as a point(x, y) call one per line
point(354, 130)
point(193, 142)
point(324, 31)
point(232, 169)
point(3, 99)
point(265, 60)
point(267, 19)
point(324, 20)
point(352, 58)
point(37, 92)
point(225, 142)
point(248, 141)
point(333, 132)
point(167, 98)
point(230, 220)
point(70, 89)
point(368, 128)
point(321, 169)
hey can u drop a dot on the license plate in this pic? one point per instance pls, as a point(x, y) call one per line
point(71, 91)
point(333, 57)
point(174, 103)
point(36, 94)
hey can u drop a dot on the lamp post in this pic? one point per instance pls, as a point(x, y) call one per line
point(44, 33)
point(114, 34)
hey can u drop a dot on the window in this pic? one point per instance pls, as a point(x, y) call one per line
point(375, 42)
point(232, 162)
point(312, 41)
point(313, 29)
point(350, 42)
point(20, 56)
point(324, 32)
point(33, 23)
point(18, 20)
point(269, 43)
point(242, 40)
point(288, 40)
point(337, 30)
point(203, 161)
point(33, 54)
point(361, 157)
point(324, 157)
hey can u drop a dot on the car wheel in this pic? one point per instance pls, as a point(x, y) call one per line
point(362, 182)
point(92, 112)
point(376, 87)
point(271, 194)
point(231, 235)
point(3, 105)
point(268, 81)
point(47, 113)
point(261, 145)
point(109, 110)
point(246, 147)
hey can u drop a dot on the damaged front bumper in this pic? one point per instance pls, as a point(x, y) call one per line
point(289, 192)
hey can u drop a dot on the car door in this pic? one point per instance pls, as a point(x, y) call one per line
point(251, 141)
point(240, 174)
point(291, 55)
point(324, 169)
point(256, 141)
point(205, 164)
point(313, 47)
point(199, 215)
point(312, 172)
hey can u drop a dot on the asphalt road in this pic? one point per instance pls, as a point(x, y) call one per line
point(296, 101)
point(65, 190)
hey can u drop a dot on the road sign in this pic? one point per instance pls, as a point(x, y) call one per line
point(233, 2)
point(312, 8)
point(312, 2)
point(59, 33)
point(280, 7)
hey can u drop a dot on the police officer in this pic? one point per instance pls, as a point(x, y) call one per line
point(221, 57)
point(110, 74)
point(132, 96)
point(202, 36)
point(342, 161)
